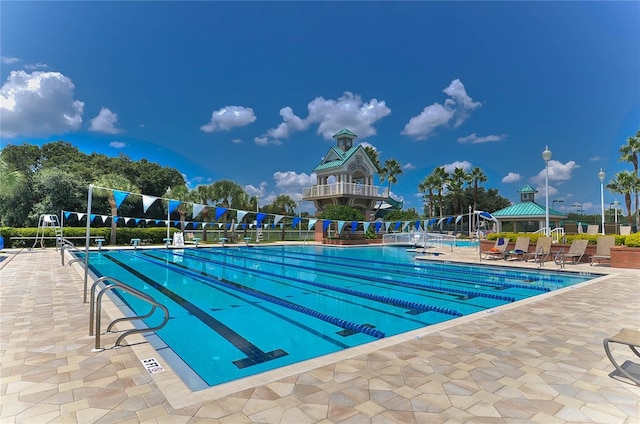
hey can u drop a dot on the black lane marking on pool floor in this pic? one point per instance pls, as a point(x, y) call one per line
point(255, 355)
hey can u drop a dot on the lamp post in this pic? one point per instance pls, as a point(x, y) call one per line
point(601, 175)
point(615, 210)
point(553, 204)
point(578, 206)
point(546, 155)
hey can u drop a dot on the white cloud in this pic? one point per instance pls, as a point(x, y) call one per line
point(450, 167)
point(541, 190)
point(511, 177)
point(595, 159)
point(256, 191)
point(33, 67)
point(474, 139)
point(457, 106)
point(9, 60)
point(409, 166)
point(118, 144)
point(105, 122)
point(263, 141)
point(558, 171)
point(228, 117)
point(348, 111)
point(38, 104)
point(293, 179)
point(236, 141)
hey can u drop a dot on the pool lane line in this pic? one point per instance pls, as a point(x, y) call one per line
point(347, 325)
point(295, 323)
point(425, 268)
point(370, 296)
point(279, 280)
point(441, 290)
point(254, 355)
point(451, 269)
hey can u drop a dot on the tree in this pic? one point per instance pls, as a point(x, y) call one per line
point(629, 153)
point(285, 205)
point(10, 179)
point(625, 183)
point(181, 193)
point(224, 192)
point(427, 186)
point(477, 176)
point(106, 184)
point(391, 170)
point(455, 183)
point(440, 177)
point(57, 190)
point(203, 195)
point(375, 158)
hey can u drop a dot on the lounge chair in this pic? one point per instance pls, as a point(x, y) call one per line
point(592, 229)
point(625, 230)
point(603, 249)
point(497, 251)
point(519, 250)
point(574, 254)
point(629, 338)
point(611, 228)
point(190, 238)
point(570, 228)
point(541, 252)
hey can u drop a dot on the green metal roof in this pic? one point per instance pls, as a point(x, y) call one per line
point(345, 132)
point(527, 189)
point(526, 209)
point(343, 156)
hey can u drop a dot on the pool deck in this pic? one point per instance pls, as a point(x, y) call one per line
point(541, 360)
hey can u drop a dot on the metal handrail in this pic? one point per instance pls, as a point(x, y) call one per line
point(65, 243)
point(117, 284)
point(560, 258)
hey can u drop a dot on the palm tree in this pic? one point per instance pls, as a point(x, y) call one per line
point(286, 206)
point(440, 177)
point(9, 179)
point(202, 194)
point(625, 183)
point(427, 187)
point(224, 192)
point(477, 176)
point(455, 183)
point(106, 184)
point(392, 169)
point(375, 158)
point(629, 153)
point(183, 194)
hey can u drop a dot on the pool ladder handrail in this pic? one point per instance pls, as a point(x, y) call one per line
point(560, 258)
point(66, 244)
point(97, 311)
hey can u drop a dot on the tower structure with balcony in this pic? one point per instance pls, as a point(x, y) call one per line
point(345, 176)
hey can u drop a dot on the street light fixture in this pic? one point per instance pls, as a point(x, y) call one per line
point(553, 204)
point(546, 155)
point(579, 207)
point(601, 175)
point(615, 209)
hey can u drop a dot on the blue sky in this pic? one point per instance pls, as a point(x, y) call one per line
point(253, 91)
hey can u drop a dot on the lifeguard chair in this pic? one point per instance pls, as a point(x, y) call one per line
point(48, 221)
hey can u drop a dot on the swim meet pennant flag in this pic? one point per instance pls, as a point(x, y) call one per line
point(241, 215)
point(340, 226)
point(147, 201)
point(387, 225)
point(137, 221)
point(197, 208)
point(67, 215)
point(354, 225)
point(115, 219)
point(366, 226)
point(173, 204)
point(377, 226)
point(296, 221)
point(277, 219)
point(417, 225)
point(405, 224)
point(458, 219)
point(80, 215)
point(260, 217)
point(325, 224)
point(126, 220)
point(104, 218)
point(119, 197)
point(449, 220)
point(220, 211)
point(397, 226)
point(311, 223)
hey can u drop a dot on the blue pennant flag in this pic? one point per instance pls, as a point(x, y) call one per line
point(398, 224)
point(220, 211)
point(173, 204)
point(449, 220)
point(119, 197)
point(296, 221)
point(115, 219)
point(354, 224)
point(93, 216)
point(377, 226)
point(137, 220)
point(67, 215)
point(260, 217)
point(325, 224)
point(417, 225)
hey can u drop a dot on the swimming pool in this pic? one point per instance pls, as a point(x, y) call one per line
point(239, 311)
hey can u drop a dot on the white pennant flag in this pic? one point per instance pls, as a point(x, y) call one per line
point(366, 226)
point(312, 222)
point(197, 208)
point(126, 221)
point(277, 219)
point(405, 224)
point(147, 201)
point(104, 218)
point(80, 215)
point(241, 215)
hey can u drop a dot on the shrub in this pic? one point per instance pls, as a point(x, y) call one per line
point(632, 240)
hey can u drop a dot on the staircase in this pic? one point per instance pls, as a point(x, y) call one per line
point(44, 222)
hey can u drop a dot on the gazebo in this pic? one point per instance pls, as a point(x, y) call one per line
point(527, 215)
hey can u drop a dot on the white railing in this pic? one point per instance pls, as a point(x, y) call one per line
point(344, 188)
point(420, 239)
point(556, 234)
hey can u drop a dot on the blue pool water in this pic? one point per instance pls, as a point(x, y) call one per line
point(236, 312)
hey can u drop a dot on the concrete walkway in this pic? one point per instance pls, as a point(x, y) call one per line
point(541, 360)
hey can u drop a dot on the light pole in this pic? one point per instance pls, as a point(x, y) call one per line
point(546, 155)
point(553, 204)
point(601, 175)
point(615, 209)
point(469, 221)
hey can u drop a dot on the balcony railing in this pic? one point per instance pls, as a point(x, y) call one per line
point(344, 189)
